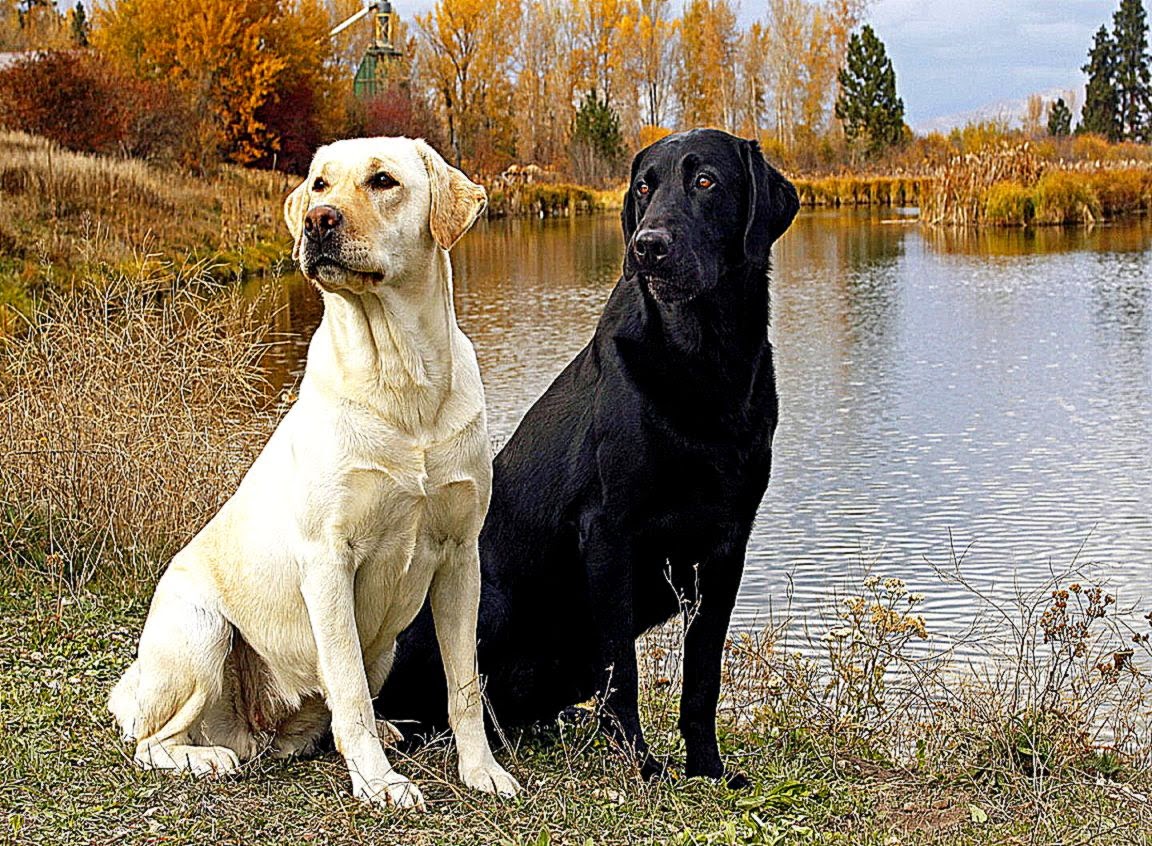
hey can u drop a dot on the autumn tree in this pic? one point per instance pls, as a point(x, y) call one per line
point(227, 57)
point(868, 105)
point(787, 24)
point(709, 50)
point(1033, 119)
point(602, 38)
point(469, 50)
point(304, 108)
point(32, 25)
point(545, 83)
point(656, 38)
point(753, 79)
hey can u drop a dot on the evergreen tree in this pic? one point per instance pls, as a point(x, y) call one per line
point(1099, 112)
point(1132, 80)
point(597, 142)
point(1059, 118)
point(80, 25)
point(868, 105)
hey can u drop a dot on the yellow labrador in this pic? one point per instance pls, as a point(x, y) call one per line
point(280, 617)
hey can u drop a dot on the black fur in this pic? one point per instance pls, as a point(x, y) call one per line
point(627, 494)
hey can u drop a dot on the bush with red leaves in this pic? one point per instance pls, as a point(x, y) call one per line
point(82, 102)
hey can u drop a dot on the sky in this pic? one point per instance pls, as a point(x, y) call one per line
point(954, 57)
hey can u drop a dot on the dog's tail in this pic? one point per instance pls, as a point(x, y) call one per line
point(122, 702)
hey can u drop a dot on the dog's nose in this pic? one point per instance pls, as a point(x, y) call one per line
point(320, 221)
point(652, 246)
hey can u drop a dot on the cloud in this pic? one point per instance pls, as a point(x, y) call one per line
point(954, 57)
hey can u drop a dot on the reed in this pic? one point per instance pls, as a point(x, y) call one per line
point(850, 190)
point(547, 199)
point(1013, 185)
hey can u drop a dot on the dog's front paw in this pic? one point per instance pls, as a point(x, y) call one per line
point(391, 791)
point(657, 768)
point(737, 781)
point(490, 778)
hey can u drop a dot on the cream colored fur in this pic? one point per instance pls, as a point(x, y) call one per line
point(280, 617)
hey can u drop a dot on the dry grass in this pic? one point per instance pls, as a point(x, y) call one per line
point(544, 199)
point(67, 216)
point(129, 410)
point(850, 190)
point(1015, 185)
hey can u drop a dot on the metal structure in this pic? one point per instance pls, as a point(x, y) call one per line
point(373, 74)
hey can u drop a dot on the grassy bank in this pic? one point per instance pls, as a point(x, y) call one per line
point(132, 409)
point(851, 190)
point(65, 216)
point(547, 199)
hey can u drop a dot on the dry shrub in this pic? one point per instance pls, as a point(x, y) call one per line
point(1009, 204)
point(1063, 197)
point(650, 134)
point(130, 413)
point(79, 100)
point(1055, 684)
point(957, 196)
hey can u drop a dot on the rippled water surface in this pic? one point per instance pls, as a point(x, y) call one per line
point(941, 394)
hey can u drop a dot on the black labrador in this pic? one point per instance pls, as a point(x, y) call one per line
point(627, 493)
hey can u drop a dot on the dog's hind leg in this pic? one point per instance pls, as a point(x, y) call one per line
point(160, 702)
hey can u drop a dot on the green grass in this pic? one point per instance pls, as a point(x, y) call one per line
point(68, 779)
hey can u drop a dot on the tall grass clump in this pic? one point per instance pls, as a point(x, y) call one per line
point(959, 194)
point(1056, 686)
point(1018, 186)
point(66, 216)
point(1009, 204)
point(544, 199)
point(1064, 197)
point(847, 190)
point(130, 410)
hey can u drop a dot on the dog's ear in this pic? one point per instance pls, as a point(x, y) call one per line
point(772, 204)
point(628, 214)
point(295, 207)
point(456, 201)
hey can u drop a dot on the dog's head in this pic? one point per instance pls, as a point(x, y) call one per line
point(701, 204)
point(371, 209)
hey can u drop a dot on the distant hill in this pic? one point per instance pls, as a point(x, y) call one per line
point(1010, 111)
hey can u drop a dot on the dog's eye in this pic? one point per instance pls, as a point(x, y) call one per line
point(642, 188)
point(319, 184)
point(382, 181)
point(704, 181)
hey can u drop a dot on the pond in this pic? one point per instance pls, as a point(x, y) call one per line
point(981, 397)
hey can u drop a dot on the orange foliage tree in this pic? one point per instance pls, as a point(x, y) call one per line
point(229, 58)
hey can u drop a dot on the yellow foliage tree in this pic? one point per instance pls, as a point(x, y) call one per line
point(709, 49)
point(602, 34)
point(545, 84)
point(468, 47)
point(656, 34)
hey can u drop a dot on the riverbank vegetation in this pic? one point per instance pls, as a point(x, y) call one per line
point(132, 407)
point(65, 216)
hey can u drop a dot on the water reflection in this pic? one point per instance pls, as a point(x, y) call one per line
point(985, 391)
